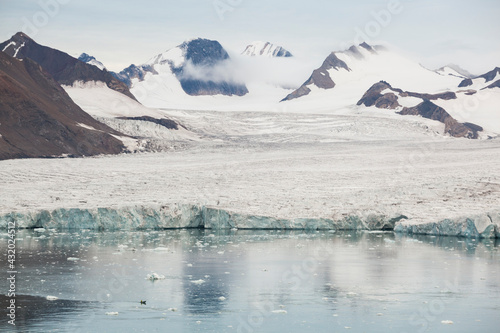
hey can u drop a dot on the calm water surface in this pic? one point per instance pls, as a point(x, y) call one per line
point(252, 281)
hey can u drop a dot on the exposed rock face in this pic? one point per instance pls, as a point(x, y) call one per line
point(426, 109)
point(204, 53)
point(465, 83)
point(373, 96)
point(167, 123)
point(320, 77)
point(134, 72)
point(88, 59)
point(64, 68)
point(495, 84)
point(38, 118)
point(429, 110)
point(265, 49)
point(490, 76)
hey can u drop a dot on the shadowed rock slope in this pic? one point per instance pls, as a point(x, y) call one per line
point(38, 118)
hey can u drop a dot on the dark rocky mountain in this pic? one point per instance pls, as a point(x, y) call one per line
point(38, 118)
point(64, 68)
point(426, 109)
point(490, 76)
point(320, 77)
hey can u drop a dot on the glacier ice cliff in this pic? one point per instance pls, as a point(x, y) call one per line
point(183, 216)
point(194, 216)
point(478, 226)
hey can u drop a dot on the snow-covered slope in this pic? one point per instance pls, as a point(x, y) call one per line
point(265, 49)
point(88, 59)
point(345, 76)
point(454, 70)
point(478, 101)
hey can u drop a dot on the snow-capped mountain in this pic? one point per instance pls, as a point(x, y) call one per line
point(198, 67)
point(64, 68)
point(88, 59)
point(348, 74)
point(265, 49)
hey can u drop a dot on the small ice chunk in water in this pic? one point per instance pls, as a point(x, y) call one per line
point(280, 311)
point(200, 281)
point(447, 322)
point(112, 313)
point(222, 298)
point(73, 259)
point(155, 276)
point(52, 298)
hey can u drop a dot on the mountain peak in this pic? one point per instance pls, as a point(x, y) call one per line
point(21, 36)
point(88, 59)
point(201, 51)
point(265, 49)
point(367, 46)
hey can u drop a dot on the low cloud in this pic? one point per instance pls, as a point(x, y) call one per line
point(287, 73)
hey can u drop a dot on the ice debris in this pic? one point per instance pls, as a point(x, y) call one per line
point(200, 281)
point(155, 276)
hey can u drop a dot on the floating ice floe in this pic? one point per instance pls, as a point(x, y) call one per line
point(200, 281)
point(52, 298)
point(222, 298)
point(280, 311)
point(155, 276)
point(447, 322)
point(73, 259)
point(112, 313)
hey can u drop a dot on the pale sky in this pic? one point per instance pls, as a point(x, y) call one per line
point(118, 33)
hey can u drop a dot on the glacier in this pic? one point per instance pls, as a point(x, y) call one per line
point(180, 216)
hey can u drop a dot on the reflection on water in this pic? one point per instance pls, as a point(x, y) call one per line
point(254, 281)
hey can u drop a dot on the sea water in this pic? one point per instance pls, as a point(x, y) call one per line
point(196, 280)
